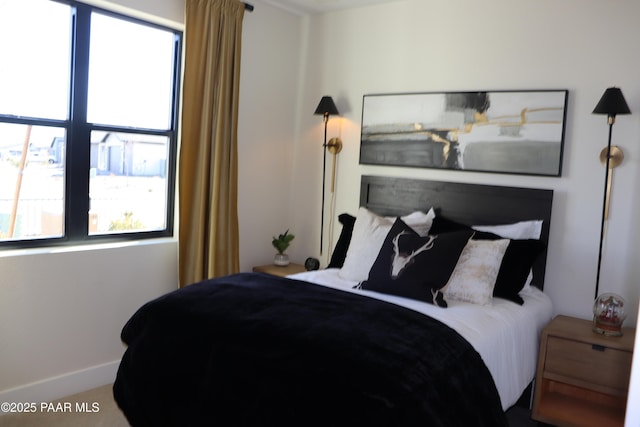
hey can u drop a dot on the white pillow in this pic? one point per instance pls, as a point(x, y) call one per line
point(419, 221)
point(519, 230)
point(475, 274)
point(369, 232)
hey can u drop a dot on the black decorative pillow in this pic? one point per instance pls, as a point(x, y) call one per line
point(415, 267)
point(516, 263)
point(515, 268)
point(340, 251)
point(442, 224)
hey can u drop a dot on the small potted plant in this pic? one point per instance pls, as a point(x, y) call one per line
point(281, 243)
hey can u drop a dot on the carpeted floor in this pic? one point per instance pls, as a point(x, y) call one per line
point(73, 411)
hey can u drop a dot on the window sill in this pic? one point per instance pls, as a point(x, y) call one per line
point(85, 247)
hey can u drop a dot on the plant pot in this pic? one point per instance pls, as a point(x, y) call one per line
point(281, 259)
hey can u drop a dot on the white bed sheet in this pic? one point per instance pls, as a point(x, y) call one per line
point(505, 334)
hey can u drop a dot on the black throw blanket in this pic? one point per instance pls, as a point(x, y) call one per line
point(257, 350)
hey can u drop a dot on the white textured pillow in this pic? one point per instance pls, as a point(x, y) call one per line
point(519, 230)
point(369, 232)
point(475, 274)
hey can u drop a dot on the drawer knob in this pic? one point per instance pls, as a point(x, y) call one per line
point(597, 347)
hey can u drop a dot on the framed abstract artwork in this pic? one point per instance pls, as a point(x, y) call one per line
point(517, 132)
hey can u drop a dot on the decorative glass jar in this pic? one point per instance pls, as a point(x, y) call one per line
point(281, 260)
point(608, 314)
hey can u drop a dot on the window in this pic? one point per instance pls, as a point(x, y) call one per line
point(88, 118)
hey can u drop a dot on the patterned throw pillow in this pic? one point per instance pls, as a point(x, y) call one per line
point(475, 275)
point(416, 267)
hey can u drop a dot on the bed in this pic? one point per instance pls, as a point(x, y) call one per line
point(328, 348)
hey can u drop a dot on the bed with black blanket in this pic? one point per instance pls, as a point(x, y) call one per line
point(258, 350)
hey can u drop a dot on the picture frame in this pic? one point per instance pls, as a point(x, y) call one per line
point(513, 132)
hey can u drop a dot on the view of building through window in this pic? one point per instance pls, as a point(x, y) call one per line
point(124, 147)
point(128, 183)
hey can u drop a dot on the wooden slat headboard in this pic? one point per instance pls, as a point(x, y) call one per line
point(471, 204)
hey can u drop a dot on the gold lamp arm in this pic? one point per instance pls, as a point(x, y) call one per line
point(334, 146)
point(616, 156)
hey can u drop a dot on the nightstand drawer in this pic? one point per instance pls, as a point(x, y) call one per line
point(589, 363)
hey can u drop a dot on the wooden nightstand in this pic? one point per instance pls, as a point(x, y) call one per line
point(582, 377)
point(277, 270)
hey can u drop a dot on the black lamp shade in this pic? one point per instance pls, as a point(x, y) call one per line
point(326, 106)
point(612, 103)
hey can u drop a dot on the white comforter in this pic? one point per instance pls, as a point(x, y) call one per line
point(505, 334)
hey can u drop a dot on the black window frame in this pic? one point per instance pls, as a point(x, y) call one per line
point(78, 133)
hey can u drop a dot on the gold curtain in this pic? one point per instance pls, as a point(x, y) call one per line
point(208, 173)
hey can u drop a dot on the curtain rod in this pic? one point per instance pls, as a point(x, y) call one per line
point(248, 7)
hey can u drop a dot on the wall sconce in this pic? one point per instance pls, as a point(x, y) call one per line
point(608, 310)
point(327, 107)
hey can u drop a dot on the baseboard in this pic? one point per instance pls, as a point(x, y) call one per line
point(55, 388)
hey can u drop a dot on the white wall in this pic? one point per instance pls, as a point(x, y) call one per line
point(271, 52)
point(62, 312)
point(418, 45)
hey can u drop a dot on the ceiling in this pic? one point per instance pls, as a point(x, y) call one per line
point(307, 7)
